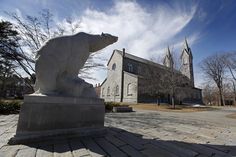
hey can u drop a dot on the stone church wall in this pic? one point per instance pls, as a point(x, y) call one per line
point(188, 95)
point(130, 87)
point(145, 81)
point(109, 90)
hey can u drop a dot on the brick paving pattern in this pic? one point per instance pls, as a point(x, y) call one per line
point(140, 133)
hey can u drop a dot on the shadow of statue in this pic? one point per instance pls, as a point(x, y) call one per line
point(119, 142)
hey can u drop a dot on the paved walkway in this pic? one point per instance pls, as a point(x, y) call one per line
point(140, 133)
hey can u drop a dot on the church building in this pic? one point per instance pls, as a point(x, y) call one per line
point(135, 80)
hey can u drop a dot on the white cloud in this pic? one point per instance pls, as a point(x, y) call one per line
point(141, 32)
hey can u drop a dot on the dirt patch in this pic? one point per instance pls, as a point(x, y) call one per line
point(169, 108)
point(231, 116)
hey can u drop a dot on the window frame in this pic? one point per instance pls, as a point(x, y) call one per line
point(117, 90)
point(129, 86)
point(108, 91)
point(130, 67)
point(113, 66)
point(103, 92)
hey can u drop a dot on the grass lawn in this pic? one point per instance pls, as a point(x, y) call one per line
point(169, 108)
point(12, 100)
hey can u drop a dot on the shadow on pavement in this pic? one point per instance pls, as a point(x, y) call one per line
point(119, 142)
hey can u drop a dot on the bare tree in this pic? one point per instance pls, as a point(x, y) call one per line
point(215, 69)
point(229, 60)
point(234, 89)
point(208, 94)
point(73, 25)
point(173, 78)
point(164, 81)
point(35, 30)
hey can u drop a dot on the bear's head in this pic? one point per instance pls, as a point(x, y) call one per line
point(98, 42)
point(109, 39)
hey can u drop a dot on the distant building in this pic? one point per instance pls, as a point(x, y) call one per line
point(98, 89)
point(134, 79)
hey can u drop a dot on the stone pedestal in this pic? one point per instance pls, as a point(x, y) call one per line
point(49, 116)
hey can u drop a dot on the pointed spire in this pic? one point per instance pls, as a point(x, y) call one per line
point(186, 48)
point(187, 62)
point(186, 44)
point(168, 51)
point(168, 60)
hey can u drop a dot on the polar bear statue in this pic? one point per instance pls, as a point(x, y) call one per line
point(59, 60)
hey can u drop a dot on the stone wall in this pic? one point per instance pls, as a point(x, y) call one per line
point(130, 88)
point(188, 95)
point(147, 81)
point(109, 87)
point(156, 83)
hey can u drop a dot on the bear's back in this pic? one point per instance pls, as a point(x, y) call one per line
point(55, 46)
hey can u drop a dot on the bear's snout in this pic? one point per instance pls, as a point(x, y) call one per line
point(115, 39)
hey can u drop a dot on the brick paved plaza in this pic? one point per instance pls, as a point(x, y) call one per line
point(140, 133)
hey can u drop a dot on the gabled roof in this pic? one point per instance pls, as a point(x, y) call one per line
point(139, 59)
point(104, 81)
point(111, 56)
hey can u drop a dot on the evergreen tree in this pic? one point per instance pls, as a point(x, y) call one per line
point(8, 48)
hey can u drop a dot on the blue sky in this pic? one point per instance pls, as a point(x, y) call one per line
point(146, 27)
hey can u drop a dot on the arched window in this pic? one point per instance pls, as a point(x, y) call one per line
point(117, 90)
point(108, 91)
point(114, 66)
point(129, 89)
point(130, 67)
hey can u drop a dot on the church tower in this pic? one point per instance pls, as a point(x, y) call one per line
point(187, 62)
point(168, 60)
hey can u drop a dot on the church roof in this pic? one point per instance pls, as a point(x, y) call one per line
point(142, 60)
point(103, 81)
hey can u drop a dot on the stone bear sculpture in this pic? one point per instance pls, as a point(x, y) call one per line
point(58, 63)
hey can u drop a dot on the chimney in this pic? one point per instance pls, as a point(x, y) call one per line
point(123, 51)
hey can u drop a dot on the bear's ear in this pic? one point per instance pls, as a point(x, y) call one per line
point(103, 34)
